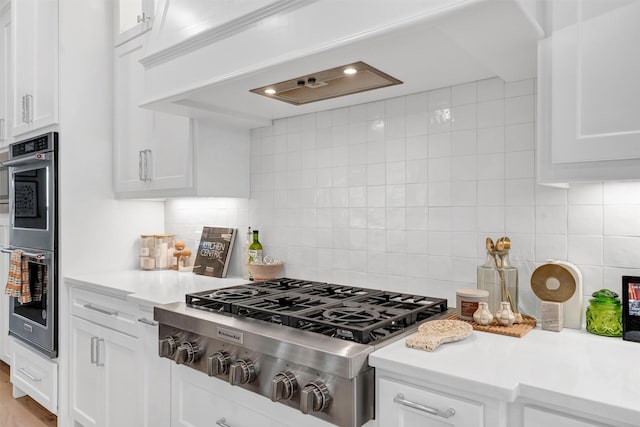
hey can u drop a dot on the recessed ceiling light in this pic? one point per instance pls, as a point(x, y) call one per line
point(350, 70)
point(270, 91)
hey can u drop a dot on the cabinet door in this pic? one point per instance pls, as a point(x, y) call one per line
point(118, 358)
point(35, 64)
point(87, 394)
point(132, 124)
point(171, 158)
point(106, 380)
point(152, 150)
point(6, 80)
point(403, 405)
point(199, 401)
point(595, 64)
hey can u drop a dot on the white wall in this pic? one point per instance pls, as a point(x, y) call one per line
point(401, 194)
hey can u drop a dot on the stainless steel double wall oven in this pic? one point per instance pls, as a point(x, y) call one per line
point(33, 209)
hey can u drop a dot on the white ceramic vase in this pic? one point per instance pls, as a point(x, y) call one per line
point(504, 315)
point(482, 316)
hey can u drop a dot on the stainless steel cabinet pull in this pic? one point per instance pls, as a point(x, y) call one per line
point(93, 350)
point(450, 412)
point(147, 164)
point(24, 109)
point(141, 19)
point(222, 423)
point(140, 165)
point(100, 340)
point(100, 310)
point(29, 99)
point(28, 375)
point(147, 321)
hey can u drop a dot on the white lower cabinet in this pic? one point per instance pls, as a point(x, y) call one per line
point(404, 405)
point(201, 401)
point(35, 375)
point(106, 378)
point(117, 378)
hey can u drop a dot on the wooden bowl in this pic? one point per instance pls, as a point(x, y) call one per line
point(265, 271)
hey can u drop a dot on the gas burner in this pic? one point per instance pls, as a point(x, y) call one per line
point(222, 300)
point(235, 294)
point(341, 292)
point(286, 284)
point(350, 315)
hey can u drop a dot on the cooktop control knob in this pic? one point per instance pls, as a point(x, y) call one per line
point(187, 352)
point(283, 386)
point(218, 363)
point(242, 371)
point(167, 346)
point(314, 397)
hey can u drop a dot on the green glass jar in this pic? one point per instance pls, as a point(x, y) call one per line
point(604, 314)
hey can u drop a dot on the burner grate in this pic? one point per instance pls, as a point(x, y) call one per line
point(222, 300)
point(279, 308)
point(346, 312)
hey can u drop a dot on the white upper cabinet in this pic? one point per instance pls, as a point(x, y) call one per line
point(132, 18)
point(158, 154)
point(34, 25)
point(6, 81)
point(152, 150)
point(589, 92)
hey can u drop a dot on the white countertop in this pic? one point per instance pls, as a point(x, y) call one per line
point(150, 287)
point(572, 368)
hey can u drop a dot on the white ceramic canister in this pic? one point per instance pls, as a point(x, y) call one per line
point(467, 302)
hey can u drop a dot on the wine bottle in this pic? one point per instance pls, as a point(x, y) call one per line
point(255, 249)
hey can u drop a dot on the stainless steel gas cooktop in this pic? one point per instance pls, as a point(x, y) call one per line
point(304, 344)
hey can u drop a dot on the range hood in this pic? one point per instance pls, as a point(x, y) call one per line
point(203, 58)
point(326, 84)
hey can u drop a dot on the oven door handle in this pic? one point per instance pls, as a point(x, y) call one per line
point(28, 159)
point(36, 255)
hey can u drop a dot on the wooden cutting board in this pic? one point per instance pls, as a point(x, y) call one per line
point(517, 330)
point(432, 334)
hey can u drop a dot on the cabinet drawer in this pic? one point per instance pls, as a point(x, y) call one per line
point(404, 405)
point(105, 310)
point(35, 375)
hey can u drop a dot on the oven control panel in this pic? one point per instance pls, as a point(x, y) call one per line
point(39, 144)
point(303, 388)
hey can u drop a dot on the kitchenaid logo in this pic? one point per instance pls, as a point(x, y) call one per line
point(230, 335)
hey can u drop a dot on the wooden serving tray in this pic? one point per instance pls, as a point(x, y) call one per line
point(517, 330)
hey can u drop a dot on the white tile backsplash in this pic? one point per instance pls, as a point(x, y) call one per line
point(401, 194)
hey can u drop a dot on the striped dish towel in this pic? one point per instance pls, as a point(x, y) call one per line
point(18, 281)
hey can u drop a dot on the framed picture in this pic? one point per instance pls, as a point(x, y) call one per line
point(631, 308)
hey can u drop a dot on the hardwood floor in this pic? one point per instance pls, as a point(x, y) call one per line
point(23, 412)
